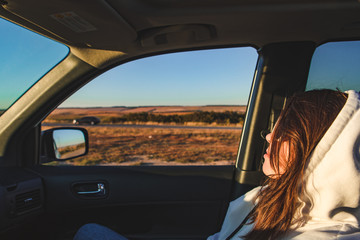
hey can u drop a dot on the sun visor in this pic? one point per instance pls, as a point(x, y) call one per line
point(79, 23)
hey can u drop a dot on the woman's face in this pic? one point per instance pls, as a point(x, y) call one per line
point(283, 158)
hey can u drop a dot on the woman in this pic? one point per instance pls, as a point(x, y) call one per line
point(313, 165)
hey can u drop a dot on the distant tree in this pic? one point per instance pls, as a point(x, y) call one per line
point(205, 117)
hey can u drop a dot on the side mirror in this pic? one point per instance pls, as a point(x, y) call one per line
point(61, 144)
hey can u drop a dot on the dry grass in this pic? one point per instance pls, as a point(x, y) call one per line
point(156, 146)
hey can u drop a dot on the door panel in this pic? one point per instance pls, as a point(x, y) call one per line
point(186, 202)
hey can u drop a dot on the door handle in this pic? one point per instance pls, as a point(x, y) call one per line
point(97, 189)
point(100, 190)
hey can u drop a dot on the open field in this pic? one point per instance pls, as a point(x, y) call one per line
point(157, 146)
point(154, 146)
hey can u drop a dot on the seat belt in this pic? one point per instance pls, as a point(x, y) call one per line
point(241, 224)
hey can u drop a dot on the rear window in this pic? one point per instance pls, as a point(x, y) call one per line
point(25, 57)
point(335, 65)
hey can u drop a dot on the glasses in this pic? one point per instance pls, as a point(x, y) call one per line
point(263, 133)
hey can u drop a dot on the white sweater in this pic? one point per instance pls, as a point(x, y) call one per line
point(332, 185)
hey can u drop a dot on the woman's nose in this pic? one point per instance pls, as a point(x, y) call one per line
point(268, 137)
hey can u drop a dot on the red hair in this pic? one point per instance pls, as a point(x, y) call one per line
point(302, 123)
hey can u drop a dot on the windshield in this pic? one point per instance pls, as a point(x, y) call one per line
point(25, 57)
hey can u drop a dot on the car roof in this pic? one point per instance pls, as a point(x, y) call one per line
point(129, 28)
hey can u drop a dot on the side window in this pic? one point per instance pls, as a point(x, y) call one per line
point(335, 65)
point(182, 108)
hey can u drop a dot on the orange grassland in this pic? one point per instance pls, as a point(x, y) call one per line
point(154, 146)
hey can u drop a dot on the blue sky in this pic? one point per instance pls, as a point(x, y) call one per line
point(208, 77)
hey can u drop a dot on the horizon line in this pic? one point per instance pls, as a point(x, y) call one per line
point(217, 105)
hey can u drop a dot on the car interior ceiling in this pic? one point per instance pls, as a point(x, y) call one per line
point(131, 27)
point(285, 33)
